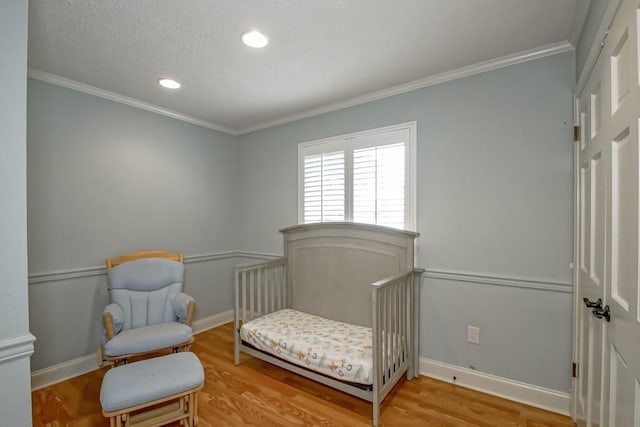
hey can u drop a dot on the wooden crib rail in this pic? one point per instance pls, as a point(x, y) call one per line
point(394, 320)
point(259, 289)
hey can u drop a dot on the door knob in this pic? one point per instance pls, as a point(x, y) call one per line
point(591, 304)
point(603, 313)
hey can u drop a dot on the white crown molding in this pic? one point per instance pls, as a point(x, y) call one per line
point(112, 96)
point(481, 67)
point(517, 282)
point(73, 368)
point(529, 394)
point(16, 348)
point(459, 73)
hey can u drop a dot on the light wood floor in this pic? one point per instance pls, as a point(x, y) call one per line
point(256, 393)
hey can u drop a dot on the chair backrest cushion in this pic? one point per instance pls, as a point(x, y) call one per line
point(145, 290)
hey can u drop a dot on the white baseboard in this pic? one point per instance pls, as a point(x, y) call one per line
point(539, 397)
point(66, 370)
point(212, 321)
point(63, 371)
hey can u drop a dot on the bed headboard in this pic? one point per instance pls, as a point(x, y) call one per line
point(330, 266)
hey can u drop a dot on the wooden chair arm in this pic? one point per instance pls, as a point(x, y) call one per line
point(108, 324)
point(192, 306)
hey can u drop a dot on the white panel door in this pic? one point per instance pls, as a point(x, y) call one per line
point(622, 345)
point(593, 173)
point(608, 384)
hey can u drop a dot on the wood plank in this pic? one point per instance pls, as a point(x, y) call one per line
point(132, 256)
point(259, 394)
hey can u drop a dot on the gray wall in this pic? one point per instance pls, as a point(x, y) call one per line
point(15, 396)
point(592, 21)
point(494, 199)
point(104, 179)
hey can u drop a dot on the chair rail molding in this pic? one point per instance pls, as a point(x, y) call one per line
point(431, 273)
point(16, 348)
point(498, 280)
point(77, 273)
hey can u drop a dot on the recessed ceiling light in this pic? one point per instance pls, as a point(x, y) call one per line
point(169, 83)
point(255, 39)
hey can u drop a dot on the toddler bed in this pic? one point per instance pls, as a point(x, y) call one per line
point(340, 307)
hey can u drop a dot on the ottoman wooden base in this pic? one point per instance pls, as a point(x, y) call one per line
point(159, 412)
point(153, 392)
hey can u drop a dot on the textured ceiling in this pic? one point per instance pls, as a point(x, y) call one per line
point(321, 52)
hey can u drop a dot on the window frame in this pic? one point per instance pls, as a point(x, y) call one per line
point(348, 143)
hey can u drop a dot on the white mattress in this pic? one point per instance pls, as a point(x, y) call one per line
point(339, 350)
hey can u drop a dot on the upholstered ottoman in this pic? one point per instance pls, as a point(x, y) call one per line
point(153, 392)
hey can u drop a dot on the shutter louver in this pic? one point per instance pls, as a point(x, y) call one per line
point(365, 177)
point(324, 187)
point(379, 185)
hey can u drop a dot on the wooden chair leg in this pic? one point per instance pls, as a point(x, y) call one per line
point(99, 356)
point(195, 409)
point(192, 408)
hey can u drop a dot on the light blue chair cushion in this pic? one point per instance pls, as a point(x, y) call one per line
point(181, 306)
point(117, 317)
point(148, 380)
point(148, 338)
point(146, 308)
point(146, 289)
point(148, 274)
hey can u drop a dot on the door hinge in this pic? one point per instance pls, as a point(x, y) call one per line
point(574, 370)
point(604, 40)
point(576, 133)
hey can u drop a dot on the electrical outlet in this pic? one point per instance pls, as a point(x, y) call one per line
point(473, 334)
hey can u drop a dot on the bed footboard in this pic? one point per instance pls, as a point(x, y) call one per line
point(259, 289)
point(395, 320)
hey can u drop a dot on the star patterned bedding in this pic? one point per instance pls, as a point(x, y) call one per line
point(339, 350)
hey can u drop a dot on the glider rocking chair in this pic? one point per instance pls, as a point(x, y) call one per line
point(148, 310)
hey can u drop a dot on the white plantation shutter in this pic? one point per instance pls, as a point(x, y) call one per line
point(324, 187)
point(365, 177)
point(378, 185)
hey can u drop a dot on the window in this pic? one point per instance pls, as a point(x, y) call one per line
point(364, 177)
